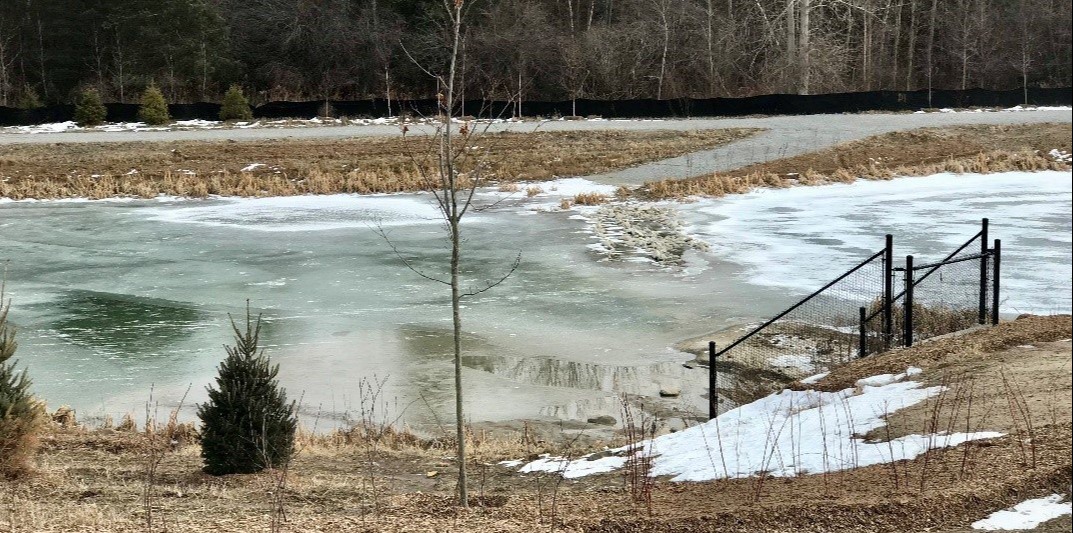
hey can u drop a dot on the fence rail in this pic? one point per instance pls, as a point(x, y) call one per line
point(858, 313)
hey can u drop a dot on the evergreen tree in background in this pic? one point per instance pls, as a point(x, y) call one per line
point(21, 415)
point(248, 424)
point(89, 111)
point(28, 99)
point(235, 105)
point(154, 109)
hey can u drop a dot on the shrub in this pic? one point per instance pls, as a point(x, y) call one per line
point(89, 111)
point(235, 105)
point(28, 99)
point(21, 415)
point(154, 109)
point(247, 424)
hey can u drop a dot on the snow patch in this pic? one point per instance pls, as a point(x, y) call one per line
point(886, 379)
point(786, 434)
point(814, 379)
point(1026, 515)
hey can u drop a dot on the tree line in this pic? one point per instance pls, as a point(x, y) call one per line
point(50, 50)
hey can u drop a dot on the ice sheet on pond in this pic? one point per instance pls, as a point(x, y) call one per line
point(305, 213)
point(799, 237)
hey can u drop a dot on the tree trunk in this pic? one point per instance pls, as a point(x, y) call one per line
point(897, 46)
point(793, 61)
point(912, 48)
point(666, 46)
point(454, 219)
point(805, 47)
point(711, 50)
point(931, 46)
point(41, 57)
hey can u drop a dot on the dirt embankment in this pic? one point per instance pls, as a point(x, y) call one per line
point(980, 149)
point(361, 165)
point(95, 480)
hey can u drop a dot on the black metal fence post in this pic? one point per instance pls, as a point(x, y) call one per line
point(862, 350)
point(908, 311)
point(997, 258)
point(713, 387)
point(888, 292)
point(982, 318)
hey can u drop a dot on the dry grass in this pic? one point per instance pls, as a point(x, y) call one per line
point(93, 480)
point(954, 351)
point(589, 198)
point(961, 149)
point(289, 167)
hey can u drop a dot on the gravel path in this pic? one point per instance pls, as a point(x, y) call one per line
point(785, 136)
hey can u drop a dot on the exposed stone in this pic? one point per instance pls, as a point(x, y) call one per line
point(604, 420)
point(652, 232)
point(670, 391)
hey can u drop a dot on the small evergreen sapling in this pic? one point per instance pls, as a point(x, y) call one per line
point(235, 106)
point(247, 425)
point(21, 415)
point(89, 111)
point(154, 109)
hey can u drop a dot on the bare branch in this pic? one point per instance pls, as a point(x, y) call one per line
point(490, 286)
point(406, 262)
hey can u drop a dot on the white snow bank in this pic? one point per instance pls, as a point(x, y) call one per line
point(1026, 515)
point(886, 379)
point(1039, 108)
point(797, 237)
point(197, 123)
point(1016, 108)
point(304, 213)
point(1060, 155)
point(814, 379)
point(54, 127)
point(785, 434)
point(570, 187)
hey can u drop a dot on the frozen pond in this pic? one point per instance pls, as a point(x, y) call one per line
point(112, 298)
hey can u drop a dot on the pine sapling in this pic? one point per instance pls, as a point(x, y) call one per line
point(235, 106)
point(154, 108)
point(247, 425)
point(21, 415)
point(89, 110)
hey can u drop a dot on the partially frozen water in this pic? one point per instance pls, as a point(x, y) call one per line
point(114, 298)
point(800, 238)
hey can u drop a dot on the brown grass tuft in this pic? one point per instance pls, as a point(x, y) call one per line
point(589, 198)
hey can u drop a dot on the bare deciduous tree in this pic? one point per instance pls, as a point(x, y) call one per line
point(456, 171)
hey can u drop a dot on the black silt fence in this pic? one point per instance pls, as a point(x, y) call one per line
point(772, 104)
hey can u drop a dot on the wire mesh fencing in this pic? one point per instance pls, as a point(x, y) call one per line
point(954, 294)
point(871, 308)
point(818, 332)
